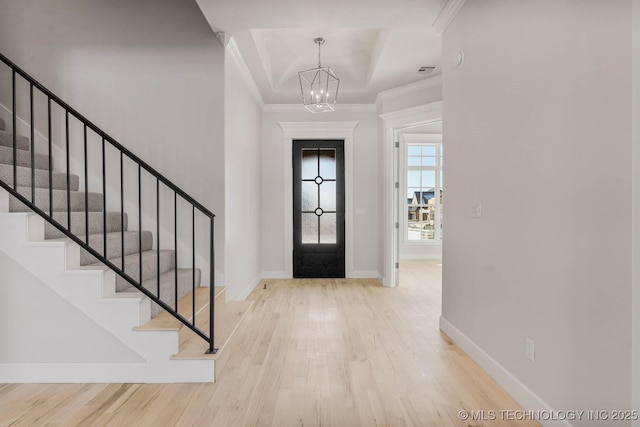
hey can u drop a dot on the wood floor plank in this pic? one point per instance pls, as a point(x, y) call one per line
point(310, 352)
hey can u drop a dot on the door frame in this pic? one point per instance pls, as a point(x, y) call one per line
point(343, 130)
point(338, 248)
point(392, 124)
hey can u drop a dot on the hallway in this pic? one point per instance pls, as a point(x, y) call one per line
point(330, 352)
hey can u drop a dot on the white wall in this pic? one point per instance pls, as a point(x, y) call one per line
point(243, 115)
point(365, 188)
point(41, 314)
point(150, 73)
point(636, 210)
point(538, 129)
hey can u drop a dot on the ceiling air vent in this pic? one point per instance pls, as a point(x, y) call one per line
point(425, 70)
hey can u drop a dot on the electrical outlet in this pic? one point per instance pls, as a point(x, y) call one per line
point(530, 349)
point(476, 210)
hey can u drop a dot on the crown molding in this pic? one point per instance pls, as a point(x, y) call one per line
point(448, 13)
point(299, 108)
point(408, 89)
point(317, 129)
point(234, 53)
point(434, 108)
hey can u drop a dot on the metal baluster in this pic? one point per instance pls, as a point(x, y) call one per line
point(104, 198)
point(68, 180)
point(122, 205)
point(33, 170)
point(212, 349)
point(50, 158)
point(158, 230)
point(15, 133)
point(86, 187)
point(193, 265)
point(139, 220)
point(175, 245)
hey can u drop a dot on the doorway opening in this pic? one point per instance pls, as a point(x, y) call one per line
point(418, 120)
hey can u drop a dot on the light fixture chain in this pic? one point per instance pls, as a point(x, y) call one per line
point(319, 63)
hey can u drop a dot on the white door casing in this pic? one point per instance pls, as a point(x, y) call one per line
point(343, 130)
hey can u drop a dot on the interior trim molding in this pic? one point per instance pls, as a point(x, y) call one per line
point(408, 89)
point(274, 275)
point(510, 383)
point(344, 130)
point(234, 53)
point(366, 274)
point(422, 138)
point(421, 109)
point(391, 124)
point(298, 108)
point(249, 288)
point(420, 256)
point(446, 16)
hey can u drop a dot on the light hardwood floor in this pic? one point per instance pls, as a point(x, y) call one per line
point(309, 353)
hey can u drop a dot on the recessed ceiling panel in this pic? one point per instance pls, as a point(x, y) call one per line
point(348, 51)
point(372, 45)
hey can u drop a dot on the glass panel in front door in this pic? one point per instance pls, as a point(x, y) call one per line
point(318, 196)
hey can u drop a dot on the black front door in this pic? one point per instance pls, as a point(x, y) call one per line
point(318, 208)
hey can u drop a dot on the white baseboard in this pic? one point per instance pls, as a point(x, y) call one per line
point(249, 288)
point(358, 274)
point(512, 385)
point(365, 274)
point(275, 275)
point(420, 256)
point(104, 373)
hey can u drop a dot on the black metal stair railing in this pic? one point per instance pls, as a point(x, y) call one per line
point(83, 241)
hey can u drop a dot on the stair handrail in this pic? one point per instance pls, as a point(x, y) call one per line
point(209, 338)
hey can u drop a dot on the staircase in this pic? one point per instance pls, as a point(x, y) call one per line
point(135, 290)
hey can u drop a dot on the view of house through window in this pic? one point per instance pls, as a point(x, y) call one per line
point(424, 192)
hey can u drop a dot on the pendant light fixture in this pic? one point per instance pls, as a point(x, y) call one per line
point(319, 86)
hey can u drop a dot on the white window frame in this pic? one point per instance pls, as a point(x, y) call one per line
point(408, 139)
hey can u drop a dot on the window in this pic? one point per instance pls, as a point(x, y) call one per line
point(424, 192)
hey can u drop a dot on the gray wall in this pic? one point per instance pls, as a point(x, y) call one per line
point(636, 209)
point(148, 72)
point(537, 124)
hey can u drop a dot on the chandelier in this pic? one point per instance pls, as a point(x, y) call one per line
point(319, 86)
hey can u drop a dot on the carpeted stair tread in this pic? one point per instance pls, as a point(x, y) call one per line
point(78, 224)
point(149, 266)
point(22, 142)
point(167, 286)
point(114, 245)
point(59, 179)
point(23, 158)
point(59, 200)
